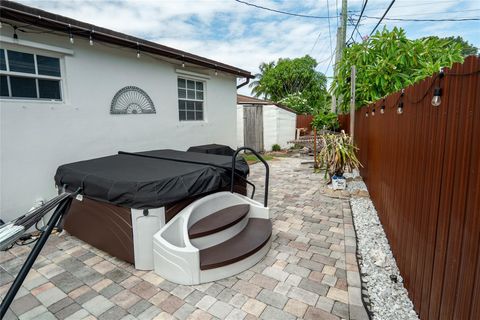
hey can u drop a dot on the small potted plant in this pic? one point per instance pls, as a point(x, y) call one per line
point(337, 156)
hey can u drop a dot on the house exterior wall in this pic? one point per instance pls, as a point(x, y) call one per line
point(278, 126)
point(38, 136)
point(240, 124)
point(286, 126)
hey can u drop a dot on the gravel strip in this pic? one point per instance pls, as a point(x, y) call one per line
point(388, 299)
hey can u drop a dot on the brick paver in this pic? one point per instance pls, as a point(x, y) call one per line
point(310, 271)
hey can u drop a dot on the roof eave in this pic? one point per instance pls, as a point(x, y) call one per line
point(44, 19)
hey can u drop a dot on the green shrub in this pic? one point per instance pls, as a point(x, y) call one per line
point(325, 120)
point(388, 61)
point(276, 147)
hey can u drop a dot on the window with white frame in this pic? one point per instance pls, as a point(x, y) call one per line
point(190, 99)
point(29, 76)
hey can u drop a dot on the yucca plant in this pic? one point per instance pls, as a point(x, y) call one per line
point(337, 154)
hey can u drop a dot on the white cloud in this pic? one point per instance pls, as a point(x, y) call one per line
point(244, 36)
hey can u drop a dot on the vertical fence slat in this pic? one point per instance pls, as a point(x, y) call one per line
point(422, 171)
point(417, 239)
point(475, 306)
point(454, 102)
point(463, 140)
point(437, 124)
point(471, 236)
point(411, 182)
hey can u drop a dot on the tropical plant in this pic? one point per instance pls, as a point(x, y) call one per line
point(337, 154)
point(468, 49)
point(257, 87)
point(325, 120)
point(387, 62)
point(294, 80)
point(297, 102)
point(276, 147)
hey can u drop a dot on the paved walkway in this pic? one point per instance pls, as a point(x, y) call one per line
point(310, 272)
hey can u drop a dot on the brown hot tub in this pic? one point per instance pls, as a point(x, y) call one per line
point(127, 196)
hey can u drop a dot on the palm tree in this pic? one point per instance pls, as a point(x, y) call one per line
point(258, 89)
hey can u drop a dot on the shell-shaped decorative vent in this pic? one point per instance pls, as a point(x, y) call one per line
point(131, 100)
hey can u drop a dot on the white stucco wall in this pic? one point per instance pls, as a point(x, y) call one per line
point(279, 126)
point(286, 126)
point(240, 122)
point(270, 126)
point(37, 137)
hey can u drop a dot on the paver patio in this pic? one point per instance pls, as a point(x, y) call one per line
point(310, 272)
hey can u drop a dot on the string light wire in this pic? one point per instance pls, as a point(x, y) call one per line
point(440, 75)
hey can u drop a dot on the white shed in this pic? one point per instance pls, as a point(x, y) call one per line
point(262, 124)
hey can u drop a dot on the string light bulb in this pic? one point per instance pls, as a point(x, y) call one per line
point(382, 109)
point(437, 92)
point(138, 51)
point(437, 100)
point(15, 35)
point(216, 72)
point(400, 104)
point(70, 35)
point(373, 112)
point(400, 108)
point(91, 38)
point(366, 114)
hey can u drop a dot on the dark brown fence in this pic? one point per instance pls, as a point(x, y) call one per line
point(344, 122)
point(422, 169)
point(304, 121)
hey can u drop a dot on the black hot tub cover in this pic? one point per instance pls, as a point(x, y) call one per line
point(149, 179)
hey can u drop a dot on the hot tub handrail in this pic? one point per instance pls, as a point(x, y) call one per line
point(267, 171)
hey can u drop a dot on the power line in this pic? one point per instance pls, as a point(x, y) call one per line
point(284, 12)
point(379, 21)
point(315, 43)
point(358, 21)
point(421, 20)
point(435, 12)
point(299, 83)
point(336, 11)
point(404, 4)
point(330, 44)
point(329, 28)
point(329, 63)
point(352, 23)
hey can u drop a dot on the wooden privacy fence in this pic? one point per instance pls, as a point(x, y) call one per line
point(422, 169)
point(304, 121)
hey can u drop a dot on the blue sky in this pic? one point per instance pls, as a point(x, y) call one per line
point(245, 36)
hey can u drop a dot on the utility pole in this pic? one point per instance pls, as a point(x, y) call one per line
point(341, 39)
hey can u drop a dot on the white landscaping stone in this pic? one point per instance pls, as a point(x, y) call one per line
point(389, 300)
